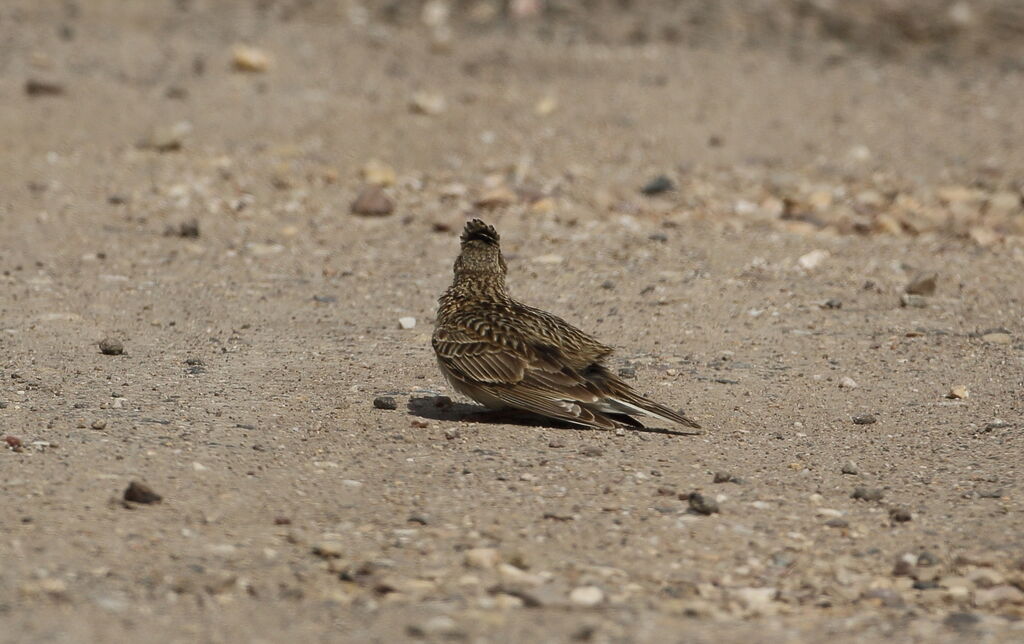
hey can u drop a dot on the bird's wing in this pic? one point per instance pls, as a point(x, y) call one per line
point(473, 357)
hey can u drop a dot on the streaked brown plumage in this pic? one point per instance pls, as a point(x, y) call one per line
point(502, 353)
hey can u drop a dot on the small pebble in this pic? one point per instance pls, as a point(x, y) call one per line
point(837, 523)
point(864, 419)
point(927, 559)
point(726, 477)
point(702, 504)
point(923, 284)
point(99, 423)
point(249, 59)
point(586, 596)
point(658, 185)
point(385, 402)
point(36, 87)
point(868, 493)
point(482, 558)
point(900, 515)
point(141, 493)
point(372, 202)
point(958, 393)
point(14, 443)
point(428, 103)
point(848, 383)
point(909, 300)
point(328, 549)
point(850, 467)
point(592, 450)
point(627, 372)
point(407, 323)
point(832, 303)
point(555, 443)
point(111, 347)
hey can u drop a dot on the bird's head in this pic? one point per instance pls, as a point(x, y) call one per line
point(481, 253)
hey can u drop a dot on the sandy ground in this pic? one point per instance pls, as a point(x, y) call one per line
point(200, 216)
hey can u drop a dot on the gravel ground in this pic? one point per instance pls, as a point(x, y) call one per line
point(224, 230)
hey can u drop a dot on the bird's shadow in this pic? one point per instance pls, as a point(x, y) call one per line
point(443, 408)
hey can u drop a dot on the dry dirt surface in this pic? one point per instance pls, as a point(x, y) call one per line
point(816, 250)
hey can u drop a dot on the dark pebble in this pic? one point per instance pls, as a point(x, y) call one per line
point(832, 303)
point(592, 450)
point(990, 494)
point(14, 443)
point(385, 402)
point(658, 237)
point(117, 200)
point(922, 285)
point(864, 419)
point(418, 518)
point(187, 229)
point(902, 568)
point(961, 621)
point(36, 87)
point(702, 504)
point(868, 493)
point(926, 559)
point(627, 372)
point(900, 515)
point(195, 362)
point(837, 523)
point(608, 285)
point(726, 477)
point(325, 299)
point(141, 493)
point(658, 185)
point(111, 347)
point(282, 521)
point(930, 584)
point(555, 443)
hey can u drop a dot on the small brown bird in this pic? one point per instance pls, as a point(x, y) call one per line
point(504, 354)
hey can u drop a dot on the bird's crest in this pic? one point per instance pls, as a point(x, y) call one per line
point(479, 231)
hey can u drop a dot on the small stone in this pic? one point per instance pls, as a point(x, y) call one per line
point(868, 493)
point(441, 626)
point(701, 504)
point(725, 477)
point(452, 433)
point(592, 450)
point(908, 300)
point(482, 558)
point(998, 596)
point(586, 596)
point(141, 493)
point(378, 173)
point(900, 515)
point(923, 284)
point(832, 303)
point(428, 103)
point(555, 443)
point(385, 402)
point(548, 259)
point(850, 467)
point(99, 423)
point(407, 323)
point(996, 423)
point(494, 198)
point(245, 58)
point(658, 185)
point(328, 549)
point(813, 259)
point(927, 559)
point(997, 338)
point(372, 202)
point(961, 621)
point(756, 600)
point(167, 139)
point(848, 383)
point(187, 229)
point(958, 392)
point(36, 87)
point(904, 567)
point(837, 523)
point(110, 346)
point(546, 106)
point(14, 443)
point(864, 419)
point(627, 372)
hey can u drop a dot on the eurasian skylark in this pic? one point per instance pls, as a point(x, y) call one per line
point(504, 354)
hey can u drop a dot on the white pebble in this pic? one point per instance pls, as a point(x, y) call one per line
point(407, 322)
point(586, 596)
